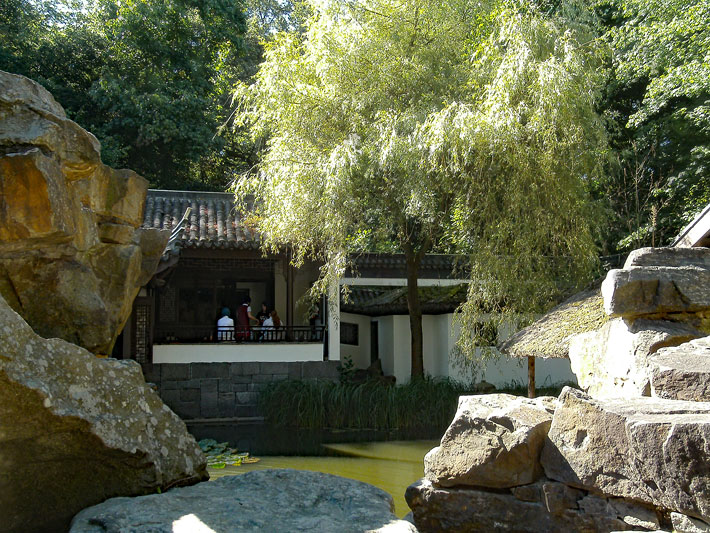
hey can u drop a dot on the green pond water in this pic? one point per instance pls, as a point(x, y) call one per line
point(391, 466)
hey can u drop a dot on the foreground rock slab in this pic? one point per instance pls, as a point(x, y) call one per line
point(494, 441)
point(644, 449)
point(683, 372)
point(266, 500)
point(76, 429)
point(547, 506)
point(72, 258)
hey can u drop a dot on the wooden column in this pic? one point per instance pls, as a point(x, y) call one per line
point(531, 376)
point(290, 318)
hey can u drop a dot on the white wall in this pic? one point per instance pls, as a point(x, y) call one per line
point(436, 332)
point(360, 354)
point(402, 341)
point(385, 343)
point(233, 353)
point(440, 333)
point(507, 371)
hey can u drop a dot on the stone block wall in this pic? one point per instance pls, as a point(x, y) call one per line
point(226, 390)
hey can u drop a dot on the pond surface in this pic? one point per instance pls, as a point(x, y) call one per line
point(391, 466)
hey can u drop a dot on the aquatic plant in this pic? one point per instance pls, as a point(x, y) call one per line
point(425, 404)
point(421, 404)
point(220, 455)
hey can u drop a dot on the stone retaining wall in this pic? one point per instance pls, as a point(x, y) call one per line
point(226, 390)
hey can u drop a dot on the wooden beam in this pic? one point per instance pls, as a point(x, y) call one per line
point(697, 233)
point(531, 376)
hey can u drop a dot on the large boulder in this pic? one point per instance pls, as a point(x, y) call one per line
point(659, 280)
point(72, 258)
point(266, 500)
point(647, 450)
point(494, 441)
point(76, 429)
point(683, 372)
point(613, 361)
point(543, 506)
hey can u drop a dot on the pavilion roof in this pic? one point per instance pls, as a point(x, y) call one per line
point(213, 221)
point(697, 233)
point(550, 335)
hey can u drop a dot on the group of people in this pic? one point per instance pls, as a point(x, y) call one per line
point(264, 322)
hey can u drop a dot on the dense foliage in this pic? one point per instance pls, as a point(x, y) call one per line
point(658, 103)
point(422, 404)
point(409, 126)
point(453, 126)
point(151, 79)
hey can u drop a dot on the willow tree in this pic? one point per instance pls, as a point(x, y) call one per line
point(450, 126)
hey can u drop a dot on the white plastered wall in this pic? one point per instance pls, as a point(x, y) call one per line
point(360, 354)
point(439, 337)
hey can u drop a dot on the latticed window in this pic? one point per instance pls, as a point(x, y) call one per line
point(142, 333)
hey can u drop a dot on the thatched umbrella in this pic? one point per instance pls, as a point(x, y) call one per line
point(550, 335)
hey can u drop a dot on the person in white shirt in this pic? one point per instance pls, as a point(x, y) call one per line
point(225, 326)
point(270, 327)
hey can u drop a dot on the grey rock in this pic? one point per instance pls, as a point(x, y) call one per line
point(259, 501)
point(668, 257)
point(683, 372)
point(559, 497)
point(76, 429)
point(613, 361)
point(651, 290)
point(494, 441)
point(627, 447)
point(635, 515)
point(462, 510)
point(687, 524)
point(529, 493)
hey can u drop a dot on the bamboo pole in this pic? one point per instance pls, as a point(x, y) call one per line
point(531, 376)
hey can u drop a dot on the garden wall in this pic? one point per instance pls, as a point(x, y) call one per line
point(226, 390)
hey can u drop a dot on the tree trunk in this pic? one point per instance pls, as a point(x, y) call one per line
point(531, 376)
point(415, 313)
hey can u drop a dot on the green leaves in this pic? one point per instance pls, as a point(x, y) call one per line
point(658, 103)
point(451, 126)
point(150, 79)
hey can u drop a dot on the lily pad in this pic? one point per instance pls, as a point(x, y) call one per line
point(220, 455)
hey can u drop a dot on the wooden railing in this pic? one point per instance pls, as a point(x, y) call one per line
point(195, 334)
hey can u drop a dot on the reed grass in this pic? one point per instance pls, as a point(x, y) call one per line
point(419, 405)
point(422, 404)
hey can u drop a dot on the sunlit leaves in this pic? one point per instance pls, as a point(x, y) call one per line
point(450, 126)
point(659, 102)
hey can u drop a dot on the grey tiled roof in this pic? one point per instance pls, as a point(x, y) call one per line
point(432, 266)
point(213, 222)
point(378, 300)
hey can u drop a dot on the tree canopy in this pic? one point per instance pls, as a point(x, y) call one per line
point(453, 126)
point(151, 79)
point(658, 103)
